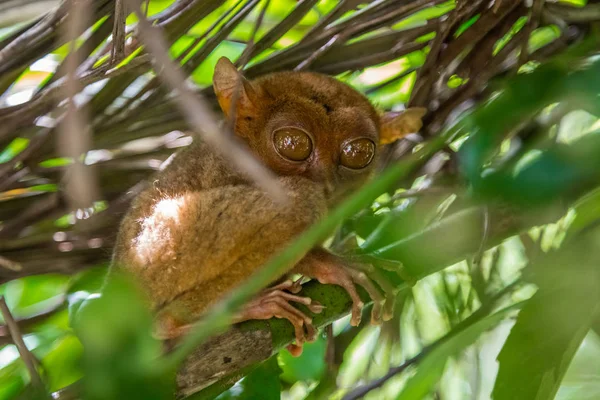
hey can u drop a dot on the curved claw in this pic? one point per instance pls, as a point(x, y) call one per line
point(274, 302)
point(330, 269)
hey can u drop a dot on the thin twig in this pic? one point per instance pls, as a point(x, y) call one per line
point(336, 39)
point(198, 113)
point(118, 34)
point(200, 38)
point(74, 137)
point(26, 356)
point(9, 264)
point(245, 57)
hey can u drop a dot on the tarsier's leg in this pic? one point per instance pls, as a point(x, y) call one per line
point(328, 268)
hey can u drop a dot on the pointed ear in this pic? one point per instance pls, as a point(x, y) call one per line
point(396, 125)
point(229, 83)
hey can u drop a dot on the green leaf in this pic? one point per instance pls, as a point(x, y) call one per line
point(550, 328)
point(430, 369)
point(13, 378)
point(587, 212)
point(62, 363)
point(262, 383)
point(13, 149)
point(309, 366)
point(82, 286)
point(560, 172)
point(120, 356)
point(523, 96)
point(33, 294)
point(582, 380)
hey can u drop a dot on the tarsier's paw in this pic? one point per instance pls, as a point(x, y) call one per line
point(330, 269)
point(275, 302)
point(383, 303)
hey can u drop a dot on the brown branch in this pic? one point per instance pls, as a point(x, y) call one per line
point(118, 33)
point(13, 117)
point(30, 36)
point(26, 356)
point(589, 13)
point(9, 264)
point(74, 138)
point(338, 39)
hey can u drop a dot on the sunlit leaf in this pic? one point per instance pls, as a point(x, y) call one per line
point(552, 325)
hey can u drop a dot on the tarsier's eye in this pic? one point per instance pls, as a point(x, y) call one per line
point(358, 153)
point(292, 143)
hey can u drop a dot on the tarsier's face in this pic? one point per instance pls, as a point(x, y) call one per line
point(303, 124)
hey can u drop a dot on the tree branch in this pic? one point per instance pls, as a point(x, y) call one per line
point(221, 358)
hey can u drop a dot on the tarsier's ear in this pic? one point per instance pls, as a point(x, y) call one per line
point(226, 82)
point(396, 125)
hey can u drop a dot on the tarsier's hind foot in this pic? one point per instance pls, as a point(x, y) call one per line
point(274, 302)
point(167, 327)
point(330, 269)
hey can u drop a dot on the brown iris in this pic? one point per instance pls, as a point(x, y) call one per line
point(358, 153)
point(292, 143)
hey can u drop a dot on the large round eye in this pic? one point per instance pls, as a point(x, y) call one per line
point(358, 153)
point(292, 143)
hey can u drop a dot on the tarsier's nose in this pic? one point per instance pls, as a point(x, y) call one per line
point(326, 175)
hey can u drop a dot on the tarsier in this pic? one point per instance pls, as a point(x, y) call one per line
point(202, 228)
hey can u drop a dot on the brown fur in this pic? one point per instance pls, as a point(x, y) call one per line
point(201, 229)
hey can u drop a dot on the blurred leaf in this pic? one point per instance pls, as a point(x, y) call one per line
point(13, 379)
point(33, 294)
point(430, 369)
point(582, 380)
point(562, 171)
point(543, 36)
point(63, 363)
point(524, 96)
point(262, 383)
point(356, 356)
point(309, 366)
point(84, 285)
point(552, 325)
point(13, 149)
point(120, 357)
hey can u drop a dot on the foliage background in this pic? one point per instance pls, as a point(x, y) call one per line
point(503, 216)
